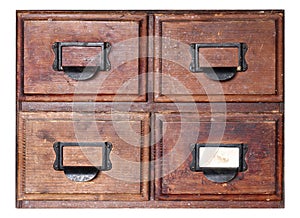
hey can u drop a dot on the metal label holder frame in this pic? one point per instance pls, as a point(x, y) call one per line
point(218, 73)
point(219, 175)
point(81, 72)
point(82, 173)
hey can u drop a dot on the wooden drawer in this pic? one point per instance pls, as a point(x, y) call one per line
point(260, 180)
point(126, 180)
point(84, 42)
point(220, 38)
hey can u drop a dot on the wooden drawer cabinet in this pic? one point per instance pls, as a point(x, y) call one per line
point(150, 109)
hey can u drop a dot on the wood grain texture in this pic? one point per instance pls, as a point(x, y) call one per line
point(81, 56)
point(176, 132)
point(150, 204)
point(222, 107)
point(261, 32)
point(82, 156)
point(218, 57)
point(128, 178)
point(126, 77)
point(163, 109)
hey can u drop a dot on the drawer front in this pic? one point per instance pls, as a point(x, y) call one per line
point(252, 72)
point(261, 178)
point(126, 178)
point(96, 55)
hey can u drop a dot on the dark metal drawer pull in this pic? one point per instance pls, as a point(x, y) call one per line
point(81, 72)
point(219, 162)
point(82, 173)
point(218, 73)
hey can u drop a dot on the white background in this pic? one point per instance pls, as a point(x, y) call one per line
point(7, 113)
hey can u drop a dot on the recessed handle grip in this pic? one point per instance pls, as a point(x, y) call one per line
point(219, 162)
point(82, 173)
point(219, 73)
point(82, 72)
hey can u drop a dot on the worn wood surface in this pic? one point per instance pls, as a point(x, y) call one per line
point(38, 32)
point(150, 204)
point(176, 132)
point(261, 82)
point(218, 57)
point(176, 110)
point(222, 107)
point(128, 178)
point(39, 78)
point(82, 156)
point(81, 56)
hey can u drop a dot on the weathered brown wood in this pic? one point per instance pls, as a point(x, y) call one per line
point(259, 31)
point(154, 107)
point(81, 56)
point(82, 156)
point(218, 57)
point(39, 78)
point(150, 204)
point(262, 179)
point(128, 178)
point(126, 77)
point(150, 108)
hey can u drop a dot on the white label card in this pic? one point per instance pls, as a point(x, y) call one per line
point(219, 157)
